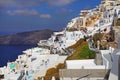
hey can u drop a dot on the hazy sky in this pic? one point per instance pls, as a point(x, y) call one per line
point(28, 15)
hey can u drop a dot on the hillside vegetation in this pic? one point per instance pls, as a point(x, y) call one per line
point(82, 51)
point(54, 72)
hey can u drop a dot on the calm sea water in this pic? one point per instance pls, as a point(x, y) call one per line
point(11, 52)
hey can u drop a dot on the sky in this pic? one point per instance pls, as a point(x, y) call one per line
point(28, 15)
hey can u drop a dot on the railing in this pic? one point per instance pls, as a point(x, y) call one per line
point(83, 77)
point(106, 62)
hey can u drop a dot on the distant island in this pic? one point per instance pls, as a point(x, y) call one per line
point(87, 49)
point(26, 38)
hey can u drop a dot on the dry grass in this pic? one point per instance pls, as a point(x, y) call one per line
point(82, 51)
point(78, 50)
point(51, 72)
point(81, 48)
point(54, 72)
point(77, 44)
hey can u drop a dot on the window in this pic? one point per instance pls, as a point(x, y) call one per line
point(118, 12)
point(81, 22)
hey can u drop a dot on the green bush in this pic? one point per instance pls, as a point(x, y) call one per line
point(1, 76)
point(118, 23)
point(71, 29)
point(86, 53)
point(77, 44)
point(82, 51)
point(97, 36)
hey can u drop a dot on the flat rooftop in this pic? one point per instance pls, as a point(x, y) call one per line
point(83, 64)
point(83, 72)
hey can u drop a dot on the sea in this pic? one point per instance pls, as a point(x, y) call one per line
point(9, 53)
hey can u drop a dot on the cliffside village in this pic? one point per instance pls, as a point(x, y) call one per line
point(34, 63)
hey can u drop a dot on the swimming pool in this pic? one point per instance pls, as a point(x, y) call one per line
point(29, 77)
point(12, 66)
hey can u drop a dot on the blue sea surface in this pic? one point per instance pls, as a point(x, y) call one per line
point(10, 53)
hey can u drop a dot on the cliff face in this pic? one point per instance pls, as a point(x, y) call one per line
point(26, 38)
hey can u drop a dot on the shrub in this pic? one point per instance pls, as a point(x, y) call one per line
point(118, 23)
point(86, 53)
point(77, 44)
point(54, 72)
point(97, 36)
point(51, 72)
point(1, 76)
point(71, 29)
point(60, 66)
point(82, 51)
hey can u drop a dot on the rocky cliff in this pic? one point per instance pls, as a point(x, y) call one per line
point(26, 38)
